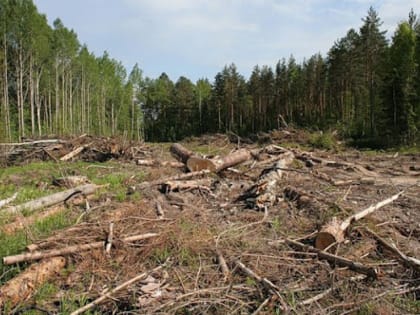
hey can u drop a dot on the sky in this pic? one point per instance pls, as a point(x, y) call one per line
point(197, 38)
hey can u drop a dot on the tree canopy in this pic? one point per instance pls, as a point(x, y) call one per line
point(366, 87)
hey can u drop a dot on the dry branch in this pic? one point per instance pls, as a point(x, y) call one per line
point(271, 287)
point(73, 153)
point(22, 286)
point(36, 255)
point(113, 291)
point(177, 185)
point(48, 141)
point(6, 201)
point(223, 265)
point(407, 260)
point(110, 238)
point(338, 260)
point(334, 231)
point(53, 199)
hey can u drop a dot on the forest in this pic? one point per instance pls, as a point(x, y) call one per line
point(367, 88)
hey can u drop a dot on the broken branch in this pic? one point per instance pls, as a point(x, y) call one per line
point(8, 260)
point(334, 231)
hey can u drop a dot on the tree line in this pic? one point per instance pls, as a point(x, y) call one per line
point(367, 88)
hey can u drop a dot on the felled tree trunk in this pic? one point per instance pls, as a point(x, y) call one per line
point(181, 152)
point(22, 286)
point(53, 199)
point(334, 231)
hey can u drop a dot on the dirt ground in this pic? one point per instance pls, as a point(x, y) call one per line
point(224, 250)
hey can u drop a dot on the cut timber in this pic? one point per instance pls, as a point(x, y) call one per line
point(196, 163)
point(22, 286)
point(159, 163)
point(180, 152)
point(73, 153)
point(53, 199)
point(263, 193)
point(334, 231)
point(48, 141)
point(36, 255)
point(337, 260)
point(186, 185)
point(233, 159)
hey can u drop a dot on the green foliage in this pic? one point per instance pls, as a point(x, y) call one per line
point(366, 87)
point(323, 140)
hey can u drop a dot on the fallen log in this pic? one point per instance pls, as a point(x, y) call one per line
point(48, 141)
point(232, 159)
point(23, 285)
point(157, 163)
point(36, 255)
point(180, 152)
point(74, 153)
point(169, 186)
point(6, 201)
point(53, 199)
point(336, 260)
point(263, 193)
point(334, 231)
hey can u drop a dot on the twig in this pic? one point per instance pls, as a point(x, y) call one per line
point(110, 237)
point(116, 289)
point(407, 260)
point(340, 261)
point(262, 305)
point(265, 282)
point(223, 266)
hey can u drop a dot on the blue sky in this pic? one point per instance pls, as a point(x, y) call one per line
point(196, 38)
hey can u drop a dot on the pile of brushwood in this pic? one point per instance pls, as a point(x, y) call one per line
point(247, 228)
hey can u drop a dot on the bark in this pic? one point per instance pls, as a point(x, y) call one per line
point(233, 159)
point(53, 199)
point(36, 255)
point(334, 232)
point(73, 153)
point(263, 193)
point(180, 152)
point(21, 287)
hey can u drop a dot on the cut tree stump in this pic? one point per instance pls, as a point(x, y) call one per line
point(53, 199)
point(334, 231)
point(21, 287)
